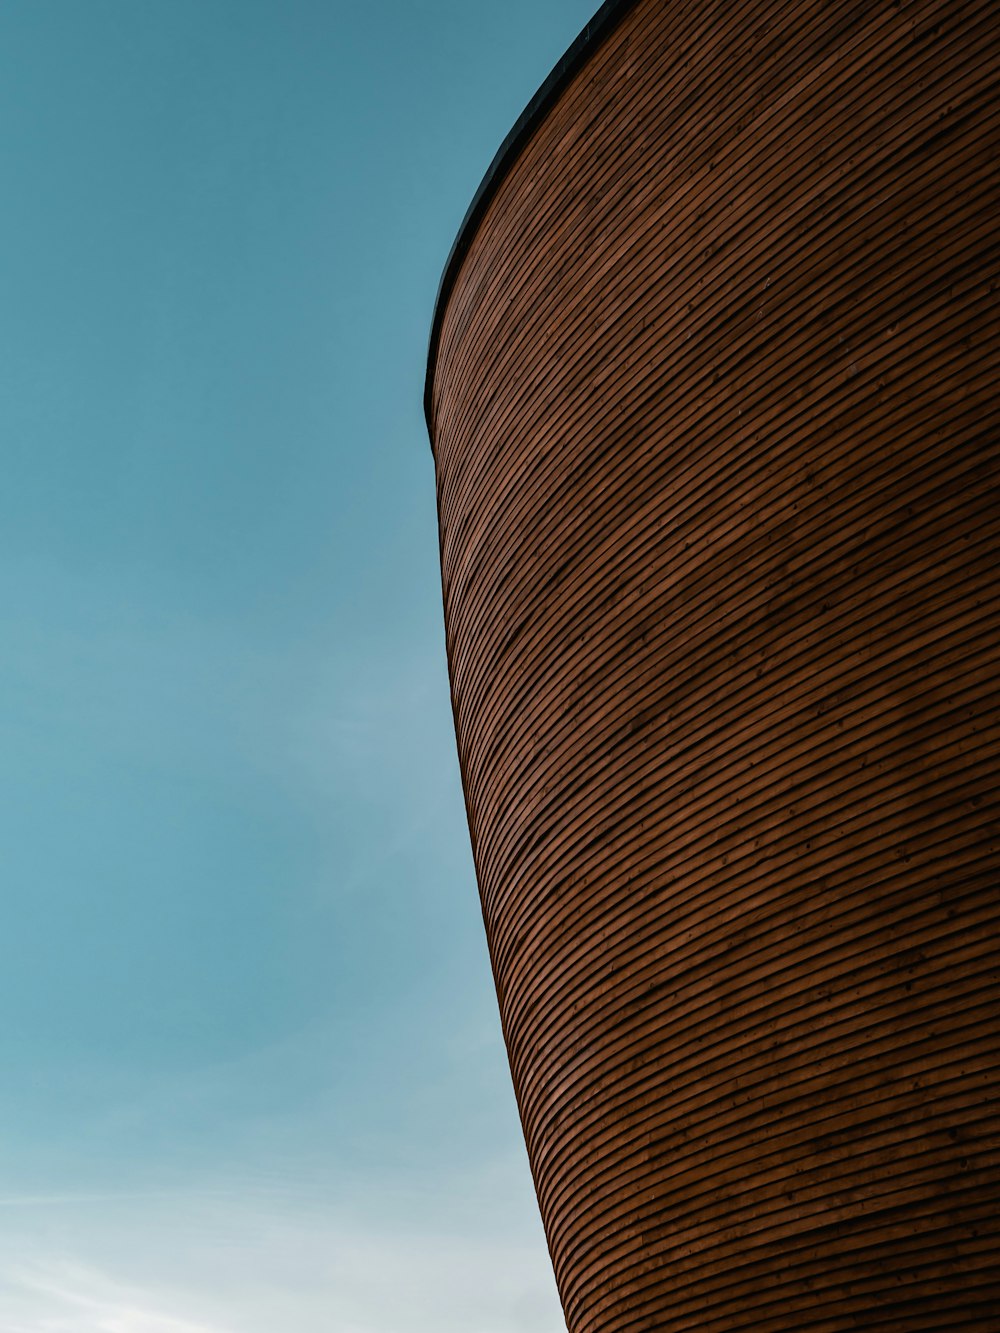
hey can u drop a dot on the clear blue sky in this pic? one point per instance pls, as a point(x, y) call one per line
point(253, 1079)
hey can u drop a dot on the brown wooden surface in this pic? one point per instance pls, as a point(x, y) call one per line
point(716, 426)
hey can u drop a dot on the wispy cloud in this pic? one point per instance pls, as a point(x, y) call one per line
point(68, 1297)
point(216, 1264)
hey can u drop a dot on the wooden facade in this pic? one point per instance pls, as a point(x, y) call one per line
point(713, 403)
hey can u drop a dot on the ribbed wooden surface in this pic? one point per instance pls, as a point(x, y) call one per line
point(716, 428)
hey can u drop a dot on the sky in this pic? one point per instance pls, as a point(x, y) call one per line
point(253, 1077)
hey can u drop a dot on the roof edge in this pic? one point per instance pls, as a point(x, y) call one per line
point(597, 30)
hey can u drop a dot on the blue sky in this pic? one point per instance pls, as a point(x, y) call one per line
point(253, 1076)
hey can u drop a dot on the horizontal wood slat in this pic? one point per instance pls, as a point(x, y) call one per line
point(715, 422)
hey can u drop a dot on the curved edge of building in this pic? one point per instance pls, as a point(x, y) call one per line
point(716, 450)
point(604, 22)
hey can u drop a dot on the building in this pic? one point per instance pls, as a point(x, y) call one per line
point(712, 399)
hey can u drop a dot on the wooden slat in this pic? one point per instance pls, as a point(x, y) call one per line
point(716, 432)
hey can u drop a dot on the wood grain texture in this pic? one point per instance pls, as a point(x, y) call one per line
point(715, 423)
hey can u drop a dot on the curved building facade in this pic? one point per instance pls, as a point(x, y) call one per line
point(713, 402)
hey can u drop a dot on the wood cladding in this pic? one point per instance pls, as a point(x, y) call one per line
point(715, 423)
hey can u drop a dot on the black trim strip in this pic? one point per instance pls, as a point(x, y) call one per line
point(600, 26)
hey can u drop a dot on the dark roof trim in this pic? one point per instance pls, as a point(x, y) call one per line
point(600, 26)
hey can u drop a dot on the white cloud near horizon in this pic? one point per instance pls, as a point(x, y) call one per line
point(230, 1265)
